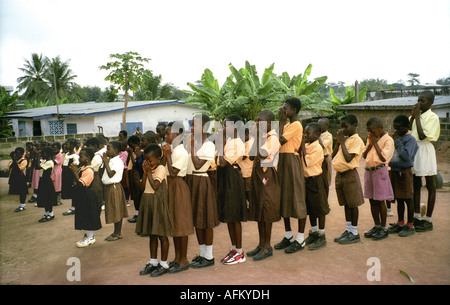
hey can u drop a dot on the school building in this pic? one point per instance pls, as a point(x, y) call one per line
point(388, 109)
point(91, 118)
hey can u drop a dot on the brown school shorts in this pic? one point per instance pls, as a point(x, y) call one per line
point(348, 188)
point(402, 183)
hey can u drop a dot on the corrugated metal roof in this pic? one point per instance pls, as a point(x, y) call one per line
point(85, 109)
point(397, 103)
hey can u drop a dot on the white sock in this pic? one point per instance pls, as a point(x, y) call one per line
point(314, 229)
point(288, 234)
point(202, 250)
point(164, 264)
point(354, 230)
point(209, 252)
point(233, 247)
point(417, 215)
point(300, 237)
point(239, 250)
point(50, 213)
point(90, 234)
point(137, 213)
point(348, 225)
point(154, 262)
point(427, 218)
point(22, 205)
point(321, 231)
point(35, 195)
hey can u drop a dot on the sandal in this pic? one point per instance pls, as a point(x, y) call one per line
point(113, 237)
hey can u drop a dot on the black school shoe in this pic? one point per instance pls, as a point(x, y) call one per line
point(394, 228)
point(424, 226)
point(294, 247)
point(338, 239)
point(350, 238)
point(46, 218)
point(284, 243)
point(202, 262)
point(262, 254)
point(406, 231)
point(318, 243)
point(175, 268)
point(380, 234)
point(147, 269)
point(371, 232)
point(160, 270)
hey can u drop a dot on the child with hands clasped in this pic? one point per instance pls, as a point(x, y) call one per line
point(46, 190)
point(114, 196)
point(346, 156)
point(377, 185)
point(153, 218)
point(401, 175)
point(180, 208)
point(85, 200)
point(316, 195)
point(17, 178)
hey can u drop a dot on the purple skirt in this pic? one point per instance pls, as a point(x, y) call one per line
point(377, 185)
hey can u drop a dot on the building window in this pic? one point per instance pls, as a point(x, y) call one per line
point(56, 127)
point(22, 129)
point(71, 128)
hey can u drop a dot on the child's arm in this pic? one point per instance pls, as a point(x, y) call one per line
point(110, 172)
point(416, 115)
point(303, 150)
point(168, 153)
point(147, 171)
point(282, 121)
point(374, 142)
point(74, 169)
point(198, 163)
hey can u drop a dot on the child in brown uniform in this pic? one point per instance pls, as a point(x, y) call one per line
point(265, 191)
point(316, 194)
point(346, 155)
point(290, 171)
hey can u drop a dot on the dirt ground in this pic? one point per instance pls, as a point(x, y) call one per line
point(36, 253)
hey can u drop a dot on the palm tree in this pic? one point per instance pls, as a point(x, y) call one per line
point(60, 80)
point(33, 80)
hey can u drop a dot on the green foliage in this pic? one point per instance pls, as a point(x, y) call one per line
point(349, 98)
point(246, 94)
point(126, 70)
point(152, 88)
point(7, 103)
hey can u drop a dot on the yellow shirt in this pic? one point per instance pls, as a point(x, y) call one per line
point(314, 158)
point(387, 147)
point(327, 141)
point(158, 174)
point(246, 164)
point(354, 145)
point(293, 133)
point(272, 147)
point(234, 150)
point(430, 125)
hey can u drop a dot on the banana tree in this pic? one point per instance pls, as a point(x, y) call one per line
point(299, 86)
point(349, 98)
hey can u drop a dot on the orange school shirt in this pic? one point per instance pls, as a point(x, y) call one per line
point(293, 133)
point(387, 147)
point(354, 145)
point(314, 158)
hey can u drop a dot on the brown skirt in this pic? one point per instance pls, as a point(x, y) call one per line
point(348, 188)
point(292, 183)
point(97, 187)
point(402, 183)
point(180, 208)
point(115, 203)
point(203, 200)
point(316, 197)
point(153, 218)
point(264, 195)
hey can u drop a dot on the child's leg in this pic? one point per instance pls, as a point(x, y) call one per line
point(431, 187)
point(287, 227)
point(118, 227)
point(410, 211)
point(262, 234)
point(401, 210)
point(375, 210)
point(267, 234)
point(183, 246)
point(153, 246)
point(417, 184)
point(176, 246)
point(322, 222)
point(164, 249)
point(232, 234)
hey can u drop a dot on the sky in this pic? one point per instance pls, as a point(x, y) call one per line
point(344, 40)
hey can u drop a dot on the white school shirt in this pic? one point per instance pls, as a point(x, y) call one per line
point(67, 158)
point(97, 161)
point(180, 160)
point(115, 164)
point(206, 152)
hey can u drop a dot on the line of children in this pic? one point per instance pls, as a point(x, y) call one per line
point(174, 195)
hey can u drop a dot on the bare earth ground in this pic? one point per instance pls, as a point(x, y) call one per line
point(37, 253)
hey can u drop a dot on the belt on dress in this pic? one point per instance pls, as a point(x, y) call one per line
point(370, 169)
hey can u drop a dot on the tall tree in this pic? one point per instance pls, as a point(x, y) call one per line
point(32, 82)
point(7, 103)
point(126, 72)
point(413, 79)
point(60, 81)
